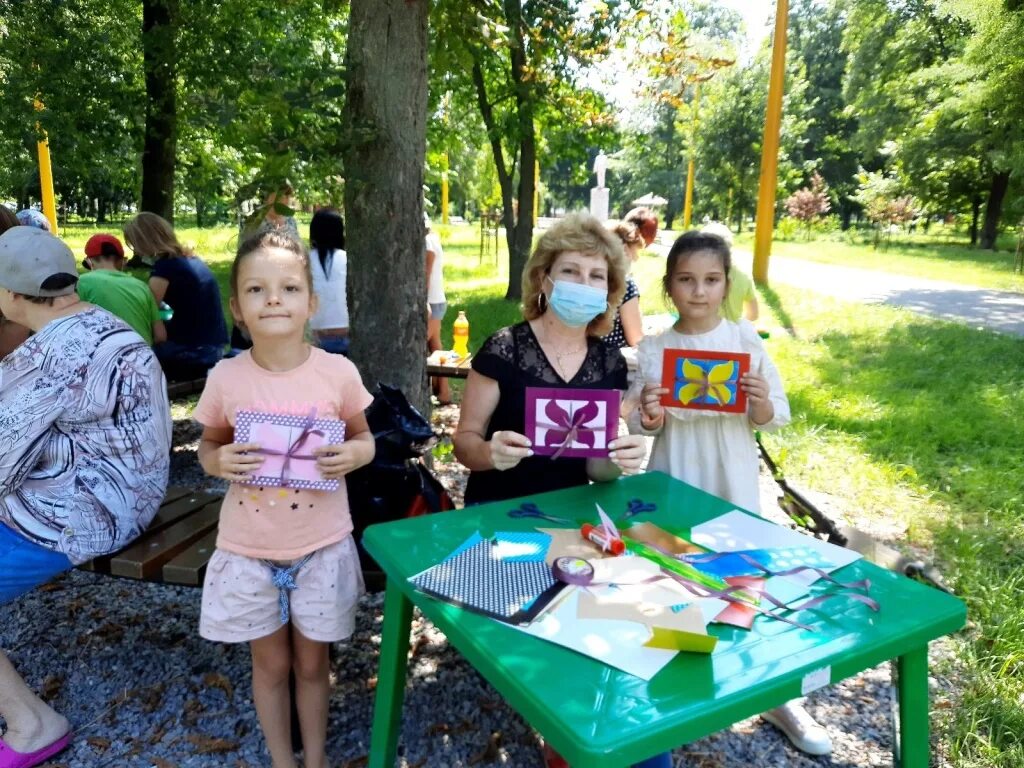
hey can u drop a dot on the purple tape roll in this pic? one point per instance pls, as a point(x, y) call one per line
point(573, 570)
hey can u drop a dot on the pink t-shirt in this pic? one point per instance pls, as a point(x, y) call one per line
point(282, 523)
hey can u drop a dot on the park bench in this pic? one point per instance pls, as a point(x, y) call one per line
point(177, 389)
point(176, 546)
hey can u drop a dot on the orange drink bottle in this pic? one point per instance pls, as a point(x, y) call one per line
point(460, 334)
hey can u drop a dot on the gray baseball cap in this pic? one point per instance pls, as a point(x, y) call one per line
point(29, 257)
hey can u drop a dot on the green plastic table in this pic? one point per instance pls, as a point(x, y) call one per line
point(599, 717)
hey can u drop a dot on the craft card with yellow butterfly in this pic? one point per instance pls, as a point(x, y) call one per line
point(704, 380)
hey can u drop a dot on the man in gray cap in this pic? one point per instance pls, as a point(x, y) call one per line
point(85, 436)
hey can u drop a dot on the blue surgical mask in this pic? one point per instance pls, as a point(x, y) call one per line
point(576, 304)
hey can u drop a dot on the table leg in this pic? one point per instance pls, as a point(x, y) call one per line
point(391, 676)
point(911, 748)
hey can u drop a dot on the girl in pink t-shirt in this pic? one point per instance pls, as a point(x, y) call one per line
point(285, 576)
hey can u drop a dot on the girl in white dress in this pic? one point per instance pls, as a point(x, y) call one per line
point(714, 450)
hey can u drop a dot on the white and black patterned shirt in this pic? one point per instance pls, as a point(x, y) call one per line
point(85, 436)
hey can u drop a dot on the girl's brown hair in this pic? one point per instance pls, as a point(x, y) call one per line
point(270, 239)
point(583, 233)
point(152, 237)
point(693, 242)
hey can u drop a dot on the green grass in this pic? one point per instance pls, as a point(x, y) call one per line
point(917, 423)
point(930, 256)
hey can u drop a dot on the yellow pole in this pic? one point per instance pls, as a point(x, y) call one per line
point(688, 204)
point(46, 175)
point(444, 191)
point(770, 149)
point(536, 190)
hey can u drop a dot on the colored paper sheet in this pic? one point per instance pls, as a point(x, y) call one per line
point(477, 580)
point(704, 380)
point(287, 444)
point(746, 563)
point(654, 605)
point(738, 531)
point(618, 644)
point(572, 422)
point(521, 546)
point(674, 639)
point(567, 542)
point(659, 538)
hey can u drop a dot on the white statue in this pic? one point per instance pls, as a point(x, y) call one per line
point(600, 166)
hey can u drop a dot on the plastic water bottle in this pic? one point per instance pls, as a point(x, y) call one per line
point(166, 313)
point(460, 334)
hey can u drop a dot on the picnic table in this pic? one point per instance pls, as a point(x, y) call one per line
point(599, 717)
point(442, 365)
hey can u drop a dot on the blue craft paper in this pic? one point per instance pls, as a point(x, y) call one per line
point(521, 546)
point(782, 559)
point(472, 541)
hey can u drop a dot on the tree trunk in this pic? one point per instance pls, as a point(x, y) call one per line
point(975, 218)
point(516, 204)
point(994, 209)
point(159, 62)
point(385, 145)
point(101, 211)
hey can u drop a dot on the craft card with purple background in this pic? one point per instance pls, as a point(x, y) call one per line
point(704, 380)
point(287, 444)
point(574, 423)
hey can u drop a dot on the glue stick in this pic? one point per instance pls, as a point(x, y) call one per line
point(603, 540)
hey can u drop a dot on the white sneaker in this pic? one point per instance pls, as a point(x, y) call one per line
point(800, 728)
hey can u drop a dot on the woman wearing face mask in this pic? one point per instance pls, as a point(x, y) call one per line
point(571, 286)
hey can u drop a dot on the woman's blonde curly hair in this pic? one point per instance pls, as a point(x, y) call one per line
point(584, 233)
point(152, 237)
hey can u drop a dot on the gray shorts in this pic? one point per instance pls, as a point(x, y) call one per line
point(437, 310)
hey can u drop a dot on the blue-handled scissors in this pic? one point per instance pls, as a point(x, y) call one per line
point(636, 507)
point(529, 509)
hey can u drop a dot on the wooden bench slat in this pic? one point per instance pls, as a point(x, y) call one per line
point(178, 502)
point(146, 558)
point(175, 492)
point(189, 567)
point(177, 509)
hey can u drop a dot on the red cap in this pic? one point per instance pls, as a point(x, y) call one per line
point(104, 245)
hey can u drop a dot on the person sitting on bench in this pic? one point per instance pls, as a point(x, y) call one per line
point(84, 450)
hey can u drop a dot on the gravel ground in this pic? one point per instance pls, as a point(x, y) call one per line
point(129, 670)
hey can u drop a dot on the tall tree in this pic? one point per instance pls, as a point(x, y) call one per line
point(159, 61)
point(385, 131)
point(84, 66)
point(815, 39)
point(520, 59)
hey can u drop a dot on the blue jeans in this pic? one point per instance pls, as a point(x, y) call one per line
point(24, 565)
point(336, 345)
point(182, 362)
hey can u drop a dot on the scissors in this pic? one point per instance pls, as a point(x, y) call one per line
point(529, 509)
point(636, 507)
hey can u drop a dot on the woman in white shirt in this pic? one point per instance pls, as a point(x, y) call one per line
point(329, 265)
point(438, 304)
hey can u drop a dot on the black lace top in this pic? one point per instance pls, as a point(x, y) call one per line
point(513, 357)
point(617, 337)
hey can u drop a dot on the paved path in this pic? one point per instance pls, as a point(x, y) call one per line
point(1001, 311)
point(978, 307)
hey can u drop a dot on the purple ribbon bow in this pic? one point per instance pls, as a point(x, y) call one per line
point(292, 451)
point(568, 430)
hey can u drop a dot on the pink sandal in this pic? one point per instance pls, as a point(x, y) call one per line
point(10, 758)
